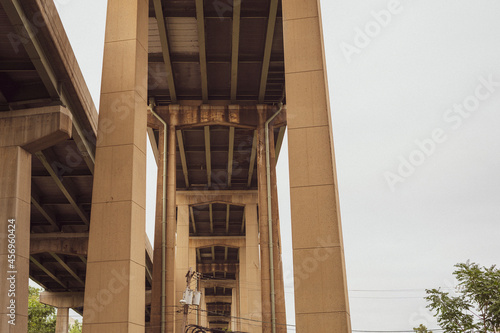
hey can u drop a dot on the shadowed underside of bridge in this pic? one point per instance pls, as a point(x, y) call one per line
point(214, 64)
point(201, 77)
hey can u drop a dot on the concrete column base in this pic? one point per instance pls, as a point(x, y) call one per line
point(62, 320)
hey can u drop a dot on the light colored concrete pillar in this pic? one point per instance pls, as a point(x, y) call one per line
point(22, 133)
point(193, 317)
point(115, 284)
point(171, 301)
point(62, 320)
point(234, 313)
point(181, 260)
point(204, 314)
point(237, 303)
point(251, 294)
point(15, 188)
point(321, 302)
point(243, 290)
point(263, 221)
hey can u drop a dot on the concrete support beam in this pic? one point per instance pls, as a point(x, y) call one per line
point(238, 116)
point(253, 155)
point(35, 129)
point(271, 25)
point(219, 283)
point(230, 156)
point(61, 245)
point(67, 268)
point(210, 268)
point(48, 272)
point(200, 19)
point(21, 133)
point(218, 299)
point(230, 241)
point(182, 152)
point(49, 161)
point(115, 283)
point(47, 213)
point(162, 28)
point(227, 197)
point(62, 300)
point(235, 50)
point(321, 302)
point(208, 155)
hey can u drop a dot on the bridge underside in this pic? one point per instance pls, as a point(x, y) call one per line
point(214, 85)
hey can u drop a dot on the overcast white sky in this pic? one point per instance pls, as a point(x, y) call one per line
point(416, 76)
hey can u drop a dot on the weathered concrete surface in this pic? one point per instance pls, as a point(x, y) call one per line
point(22, 132)
point(321, 302)
point(115, 283)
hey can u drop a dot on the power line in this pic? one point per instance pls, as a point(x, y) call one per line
point(400, 331)
point(242, 318)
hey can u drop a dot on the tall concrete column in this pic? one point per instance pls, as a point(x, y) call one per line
point(15, 191)
point(62, 320)
point(234, 313)
point(321, 302)
point(243, 290)
point(181, 260)
point(156, 288)
point(250, 274)
point(237, 299)
point(204, 314)
point(263, 221)
point(193, 317)
point(171, 230)
point(22, 133)
point(115, 284)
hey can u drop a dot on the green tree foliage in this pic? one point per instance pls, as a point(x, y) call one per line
point(421, 329)
point(476, 308)
point(76, 328)
point(41, 317)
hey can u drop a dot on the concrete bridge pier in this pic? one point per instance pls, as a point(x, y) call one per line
point(62, 320)
point(22, 133)
point(62, 302)
point(115, 280)
point(321, 302)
